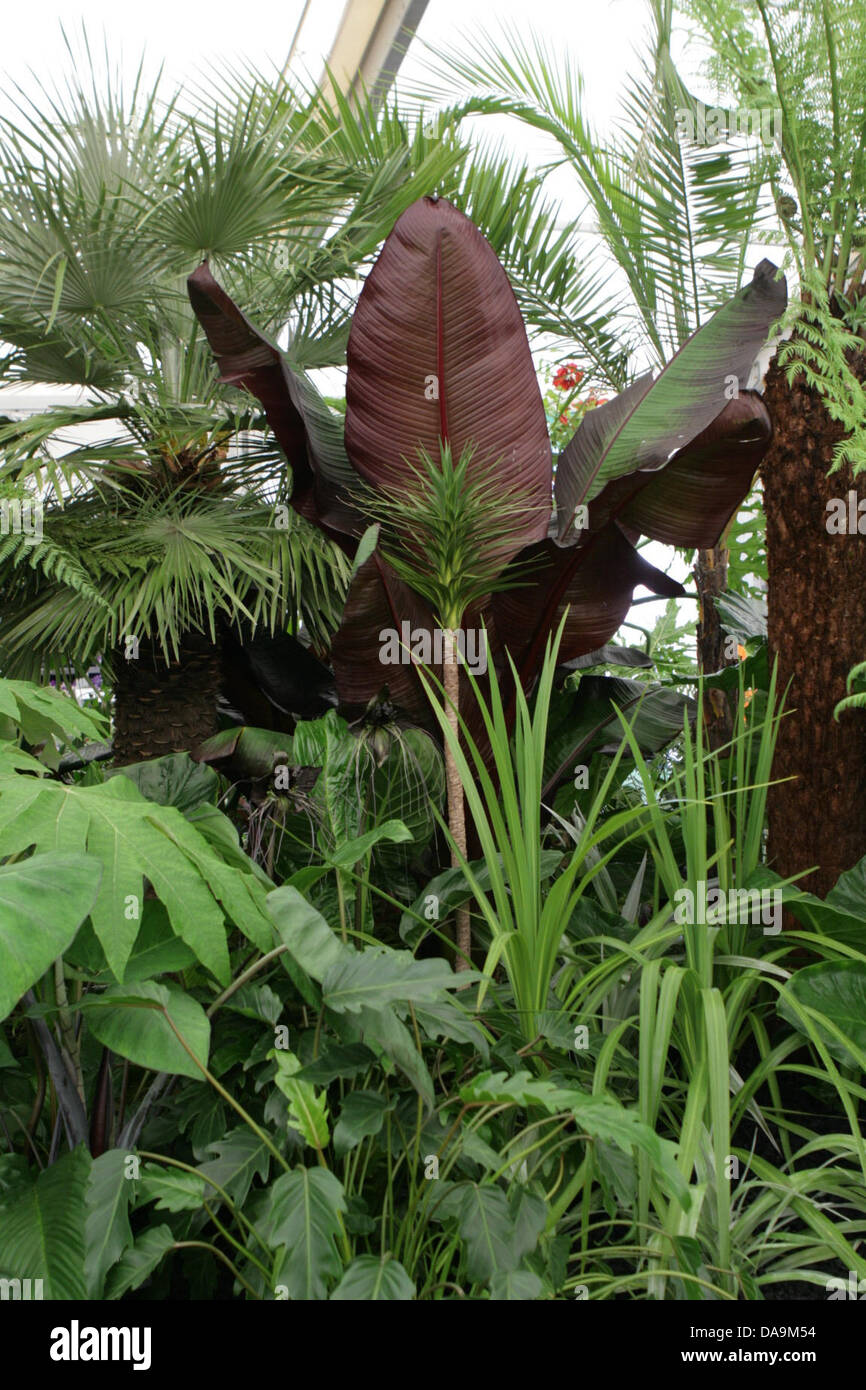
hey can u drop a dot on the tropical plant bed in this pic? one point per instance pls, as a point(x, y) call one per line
point(377, 921)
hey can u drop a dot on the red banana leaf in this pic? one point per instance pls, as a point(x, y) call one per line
point(438, 351)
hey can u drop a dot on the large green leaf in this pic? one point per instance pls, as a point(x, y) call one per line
point(174, 780)
point(134, 1021)
point(374, 1279)
point(138, 1264)
point(40, 712)
point(136, 840)
point(497, 1234)
point(515, 1285)
point(837, 991)
point(303, 929)
point(376, 977)
point(362, 1114)
point(107, 1233)
point(240, 1157)
point(43, 901)
point(42, 1233)
point(173, 1189)
point(304, 1216)
point(381, 1029)
point(840, 916)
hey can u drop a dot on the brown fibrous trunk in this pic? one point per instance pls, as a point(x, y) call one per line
point(817, 629)
point(164, 706)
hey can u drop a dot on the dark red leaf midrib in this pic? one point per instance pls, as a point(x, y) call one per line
point(440, 342)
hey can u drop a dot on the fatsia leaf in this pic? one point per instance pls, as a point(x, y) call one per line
point(304, 1216)
point(42, 1233)
point(39, 711)
point(438, 351)
point(135, 839)
point(647, 424)
point(43, 901)
point(107, 1232)
point(134, 1021)
point(374, 1279)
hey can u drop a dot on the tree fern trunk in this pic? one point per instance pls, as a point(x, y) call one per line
point(817, 628)
point(164, 707)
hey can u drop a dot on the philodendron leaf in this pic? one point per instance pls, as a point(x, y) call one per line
point(837, 991)
point(496, 1233)
point(840, 915)
point(43, 901)
point(42, 1233)
point(304, 1217)
point(308, 1111)
point(173, 1189)
point(515, 1285)
point(108, 1233)
point(240, 1157)
point(138, 1264)
point(375, 978)
point(600, 1117)
point(305, 932)
point(362, 1114)
point(374, 1279)
point(136, 1021)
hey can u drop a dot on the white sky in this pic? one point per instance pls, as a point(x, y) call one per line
point(191, 34)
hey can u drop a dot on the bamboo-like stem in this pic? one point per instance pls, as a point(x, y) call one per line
point(456, 805)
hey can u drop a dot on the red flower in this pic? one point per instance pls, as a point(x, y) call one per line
point(567, 376)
